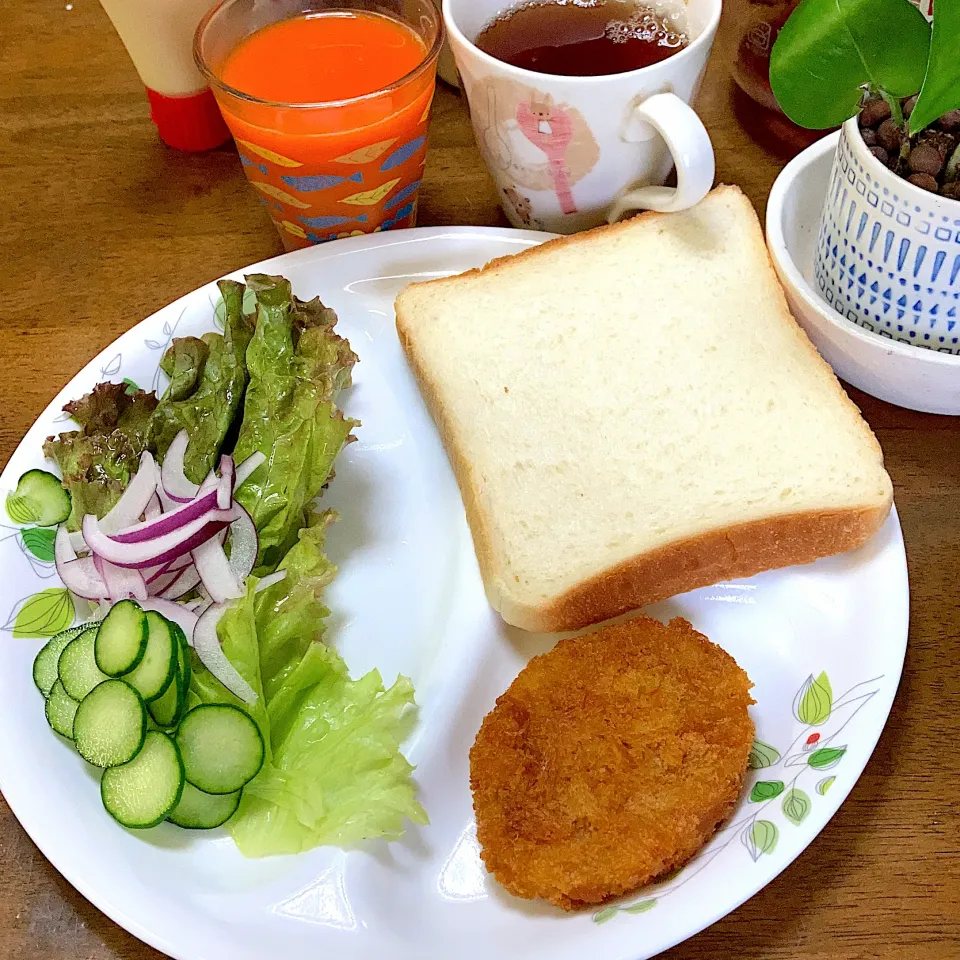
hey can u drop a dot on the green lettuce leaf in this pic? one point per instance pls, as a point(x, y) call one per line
point(208, 377)
point(334, 772)
point(297, 367)
point(97, 461)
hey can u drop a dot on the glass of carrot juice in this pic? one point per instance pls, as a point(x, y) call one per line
point(328, 101)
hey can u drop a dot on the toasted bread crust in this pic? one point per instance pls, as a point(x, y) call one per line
point(739, 551)
point(729, 554)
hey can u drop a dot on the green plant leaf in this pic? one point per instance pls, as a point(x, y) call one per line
point(603, 916)
point(641, 906)
point(796, 806)
point(39, 541)
point(826, 757)
point(762, 755)
point(132, 388)
point(829, 50)
point(824, 785)
point(21, 509)
point(766, 790)
point(941, 84)
point(760, 838)
point(815, 701)
point(44, 614)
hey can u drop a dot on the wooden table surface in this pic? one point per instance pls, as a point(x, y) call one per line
point(104, 225)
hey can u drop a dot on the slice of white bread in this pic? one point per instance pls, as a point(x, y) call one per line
point(632, 413)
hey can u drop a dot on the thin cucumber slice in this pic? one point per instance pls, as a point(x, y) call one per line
point(110, 724)
point(221, 747)
point(40, 499)
point(203, 811)
point(77, 665)
point(168, 709)
point(45, 673)
point(184, 653)
point(121, 639)
point(144, 791)
point(155, 671)
point(60, 709)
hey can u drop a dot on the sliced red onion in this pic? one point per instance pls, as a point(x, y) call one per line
point(168, 522)
point(159, 550)
point(77, 543)
point(185, 619)
point(153, 573)
point(186, 580)
point(63, 549)
point(244, 544)
point(154, 508)
point(81, 578)
point(207, 644)
point(157, 585)
point(131, 505)
point(210, 532)
point(121, 583)
point(270, 580)
point(167, 502)
point(225, 486)
point(247, 467)
point(214, 569)
point(175, 482)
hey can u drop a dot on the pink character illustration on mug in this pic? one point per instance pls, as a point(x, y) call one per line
point(550, 127)
point(532, 144)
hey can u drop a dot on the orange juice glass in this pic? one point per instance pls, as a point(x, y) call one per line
point(329, 103)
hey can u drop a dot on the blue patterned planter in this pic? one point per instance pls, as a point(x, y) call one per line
point(888, 253)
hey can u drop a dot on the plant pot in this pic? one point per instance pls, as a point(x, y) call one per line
point(888, 252)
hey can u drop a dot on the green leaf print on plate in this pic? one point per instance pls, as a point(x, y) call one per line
point(826, 757)
point(795, 806)
point(766, 790)
point(21, 509)
point(760, 838)
point(42, 615)
point(604, 915)
point(762, 755)
point(824, 785)
point(39, 541)
point(642, 906)
point(814, 701)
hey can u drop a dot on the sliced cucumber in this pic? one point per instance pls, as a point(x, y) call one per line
point(155, 671)
point(203, 811)
point(77, 665)
point(60, 709)
point(184, 653)
point(143, 792)
point(221, 747)
point(168, 709)
point(121, 639)
point(40, 499)
point(110, 724)
point(45, 673)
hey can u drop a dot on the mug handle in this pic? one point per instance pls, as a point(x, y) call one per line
point(689, 143)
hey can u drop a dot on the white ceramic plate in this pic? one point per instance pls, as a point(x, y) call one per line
point(409, 598)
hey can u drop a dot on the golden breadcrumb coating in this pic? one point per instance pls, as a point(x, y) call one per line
point(609, 761)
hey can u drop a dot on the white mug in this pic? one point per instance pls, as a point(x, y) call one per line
point(569, 153)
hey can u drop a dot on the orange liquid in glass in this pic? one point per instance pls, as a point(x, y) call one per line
point(323, 57)
point(335, 165)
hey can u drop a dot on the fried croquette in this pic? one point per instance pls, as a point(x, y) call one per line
point(610, 761)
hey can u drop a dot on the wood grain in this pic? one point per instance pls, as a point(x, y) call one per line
point(104, 225)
